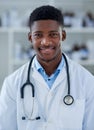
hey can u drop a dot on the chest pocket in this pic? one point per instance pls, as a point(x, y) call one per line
point(71, 117)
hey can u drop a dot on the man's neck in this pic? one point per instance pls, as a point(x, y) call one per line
point(51, 66)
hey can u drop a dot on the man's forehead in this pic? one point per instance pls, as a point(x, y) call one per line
point(45, 24)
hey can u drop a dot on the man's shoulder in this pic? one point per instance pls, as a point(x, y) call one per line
point(77, 69)
point(18, 72)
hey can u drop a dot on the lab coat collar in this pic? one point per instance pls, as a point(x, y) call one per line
point(38, 78)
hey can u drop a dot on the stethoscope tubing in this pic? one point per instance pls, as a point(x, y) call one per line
point(68, 99)
point(67, 71)
point(28, 81)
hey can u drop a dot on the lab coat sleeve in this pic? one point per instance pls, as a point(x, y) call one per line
point(7, 108)
point(88, 123)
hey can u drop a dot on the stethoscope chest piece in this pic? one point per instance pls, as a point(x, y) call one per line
point(68, 99)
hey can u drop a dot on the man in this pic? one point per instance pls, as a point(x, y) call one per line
point(35, 96)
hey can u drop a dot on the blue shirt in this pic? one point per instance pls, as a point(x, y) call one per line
point(48, 79)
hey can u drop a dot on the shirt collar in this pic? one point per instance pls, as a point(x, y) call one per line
point(39, 67)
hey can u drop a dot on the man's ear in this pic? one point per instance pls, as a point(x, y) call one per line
point(63, 35)
point(29, 37)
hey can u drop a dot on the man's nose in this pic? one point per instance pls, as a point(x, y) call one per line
point(45, 41)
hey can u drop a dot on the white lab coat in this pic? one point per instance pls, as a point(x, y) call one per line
point(49, 105)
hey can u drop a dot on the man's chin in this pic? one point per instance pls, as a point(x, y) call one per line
point(48, 59)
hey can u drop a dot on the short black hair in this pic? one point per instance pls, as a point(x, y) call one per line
point(46, 12)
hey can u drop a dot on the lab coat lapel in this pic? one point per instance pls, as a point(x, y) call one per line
point(38, 78)
point(60, 78)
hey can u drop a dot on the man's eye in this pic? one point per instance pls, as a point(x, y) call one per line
point(37, 35)
point(54, 34)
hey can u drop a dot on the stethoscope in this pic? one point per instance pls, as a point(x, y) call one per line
point(68, 99)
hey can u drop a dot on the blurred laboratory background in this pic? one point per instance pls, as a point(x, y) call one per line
point(15, 50)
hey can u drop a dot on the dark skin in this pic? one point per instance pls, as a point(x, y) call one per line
point(46, 37)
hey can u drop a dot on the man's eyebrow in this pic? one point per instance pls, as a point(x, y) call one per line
point(37, 32)
point(53, 31)
point(42, 31)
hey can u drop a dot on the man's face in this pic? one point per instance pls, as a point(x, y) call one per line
point(46, 37)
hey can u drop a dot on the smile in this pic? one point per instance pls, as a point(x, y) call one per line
point(47, 48)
